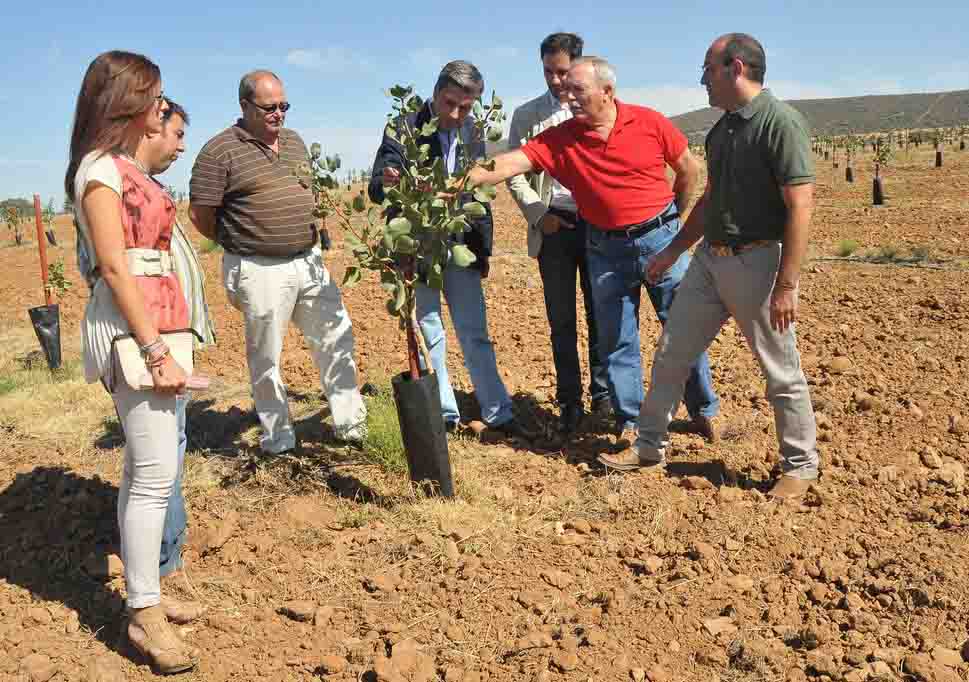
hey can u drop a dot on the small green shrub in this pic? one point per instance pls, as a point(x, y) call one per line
point(887, 253)
point(846, 247)
point(921, 253)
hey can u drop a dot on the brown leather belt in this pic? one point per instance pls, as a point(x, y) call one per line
point(724, 249)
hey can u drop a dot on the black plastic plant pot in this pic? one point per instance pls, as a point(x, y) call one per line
point(938, 159)
point(849, 174)
point(47, 325)
point(877, 195)
point(422, 429)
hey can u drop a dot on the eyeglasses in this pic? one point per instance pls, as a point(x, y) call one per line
point(271, 108)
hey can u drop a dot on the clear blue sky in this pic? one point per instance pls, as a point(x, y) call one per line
point(336, 59)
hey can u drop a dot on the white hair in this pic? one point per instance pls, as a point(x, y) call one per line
point(604, 71)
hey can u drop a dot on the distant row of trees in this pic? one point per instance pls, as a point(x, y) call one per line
point(828, 145)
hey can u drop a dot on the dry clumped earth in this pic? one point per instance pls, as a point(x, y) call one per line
point(327, 566)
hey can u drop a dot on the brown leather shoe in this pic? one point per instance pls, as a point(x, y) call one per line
point(629, 460)
point(705, 426)
point(181, 612)
point(152, 635)
point(789, 488)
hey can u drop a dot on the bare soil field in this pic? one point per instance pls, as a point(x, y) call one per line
point(328, 566)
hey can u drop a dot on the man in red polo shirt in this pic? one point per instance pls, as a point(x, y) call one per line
point(613, 158)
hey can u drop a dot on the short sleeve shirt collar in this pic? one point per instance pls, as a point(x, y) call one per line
point(246, 136)
point(755, 105)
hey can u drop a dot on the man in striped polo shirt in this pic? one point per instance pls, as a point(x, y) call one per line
point(244, 195)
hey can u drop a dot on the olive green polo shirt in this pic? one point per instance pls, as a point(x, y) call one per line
point(751, 154)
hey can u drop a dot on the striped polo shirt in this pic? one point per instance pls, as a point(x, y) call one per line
point(261, 208)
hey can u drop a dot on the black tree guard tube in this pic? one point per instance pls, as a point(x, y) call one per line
point(422, 429)
point(47, 325)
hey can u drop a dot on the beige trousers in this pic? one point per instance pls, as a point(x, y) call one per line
point(270, 292)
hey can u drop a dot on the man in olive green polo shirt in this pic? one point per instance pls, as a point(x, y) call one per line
point(754, 217)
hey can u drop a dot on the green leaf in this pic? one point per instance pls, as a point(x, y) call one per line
point(399, 225)
point(400, 91)
point(496, 102)
point(474, 209)
point(439, 204)
point(316, 150)
point(359, 203)
point(400, 297)
point(429, 128)
point(462, 256)
point(457, 225)
point(351, 276)
point(405, 244)
point(485, 193)
point(494, 134)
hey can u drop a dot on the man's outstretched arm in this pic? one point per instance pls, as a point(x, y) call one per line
point(507, 165)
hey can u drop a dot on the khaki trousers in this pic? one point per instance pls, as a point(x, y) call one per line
point(714, 289)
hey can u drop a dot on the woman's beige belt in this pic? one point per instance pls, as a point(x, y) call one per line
point(149, 262)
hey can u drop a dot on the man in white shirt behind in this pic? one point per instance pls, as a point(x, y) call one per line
point(557, 239)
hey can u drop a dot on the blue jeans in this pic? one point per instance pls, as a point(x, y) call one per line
point(617, 268)
point(173, 534)
point(562, 254)
point(466, 304)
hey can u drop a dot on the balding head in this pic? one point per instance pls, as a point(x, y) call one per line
point(263, 102)
point(252, 80)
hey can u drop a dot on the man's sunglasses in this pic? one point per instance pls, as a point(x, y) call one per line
point(271, 109)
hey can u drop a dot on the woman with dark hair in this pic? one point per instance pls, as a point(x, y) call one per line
point(127, 219)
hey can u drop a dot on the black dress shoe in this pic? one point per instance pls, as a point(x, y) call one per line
point(569, 418)
point(511, 429)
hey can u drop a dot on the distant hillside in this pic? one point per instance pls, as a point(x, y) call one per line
point(866, 114)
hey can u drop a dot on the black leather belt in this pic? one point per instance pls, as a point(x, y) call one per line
point(571, 216)
point(639, 229)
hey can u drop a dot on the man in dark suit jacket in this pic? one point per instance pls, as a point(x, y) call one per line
point(458, 86)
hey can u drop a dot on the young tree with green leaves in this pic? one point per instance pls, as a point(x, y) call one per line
point(883, 154)
point(15, 221)
point(851, 143)
point(414, 244)
point(48, 215)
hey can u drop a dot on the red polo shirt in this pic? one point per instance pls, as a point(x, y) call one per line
point(616, 182)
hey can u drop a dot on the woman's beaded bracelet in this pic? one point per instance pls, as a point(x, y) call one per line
point(150, 348)
point(158, 360)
